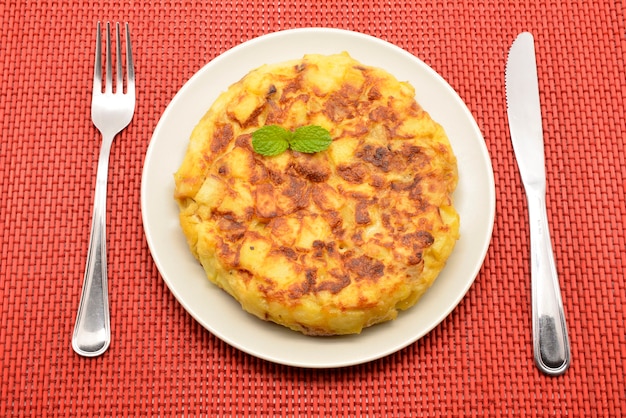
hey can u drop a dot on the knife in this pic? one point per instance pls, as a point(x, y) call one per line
point(550, 339)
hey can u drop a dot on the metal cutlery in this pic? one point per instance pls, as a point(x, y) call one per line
point(550, 338)
point(111, 112)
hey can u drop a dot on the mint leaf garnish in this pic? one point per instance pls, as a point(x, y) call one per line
point(272, 139)
point(310, 139)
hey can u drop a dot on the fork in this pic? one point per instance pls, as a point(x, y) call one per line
point(111, 112)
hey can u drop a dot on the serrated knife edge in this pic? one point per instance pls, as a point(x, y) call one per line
point(524, 109)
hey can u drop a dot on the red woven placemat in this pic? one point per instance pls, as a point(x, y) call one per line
point(161, 362)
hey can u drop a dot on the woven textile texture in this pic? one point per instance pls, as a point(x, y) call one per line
point(477, 362)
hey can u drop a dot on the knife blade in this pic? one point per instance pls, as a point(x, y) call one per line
point(551, 346)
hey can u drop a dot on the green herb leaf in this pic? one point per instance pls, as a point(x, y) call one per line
point(271, 140)
point(310, 139)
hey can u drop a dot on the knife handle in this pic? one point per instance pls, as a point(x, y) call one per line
point(550, 339)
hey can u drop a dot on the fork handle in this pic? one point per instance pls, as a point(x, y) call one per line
point(551, 342)
point(92, 331)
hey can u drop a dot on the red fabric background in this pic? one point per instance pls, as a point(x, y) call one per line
point(478, 362)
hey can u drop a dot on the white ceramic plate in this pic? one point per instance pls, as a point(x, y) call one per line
point(222, 315)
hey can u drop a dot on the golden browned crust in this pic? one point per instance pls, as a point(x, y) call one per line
point(325, 243)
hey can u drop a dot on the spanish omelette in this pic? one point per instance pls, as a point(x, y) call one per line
point(326, 243)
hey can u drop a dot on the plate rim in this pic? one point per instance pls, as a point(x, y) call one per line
point(273, 36)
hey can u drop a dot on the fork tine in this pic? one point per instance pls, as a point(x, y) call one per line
point(97, 72)
point(130, 66)
point(119, 87)
point(108, 86)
